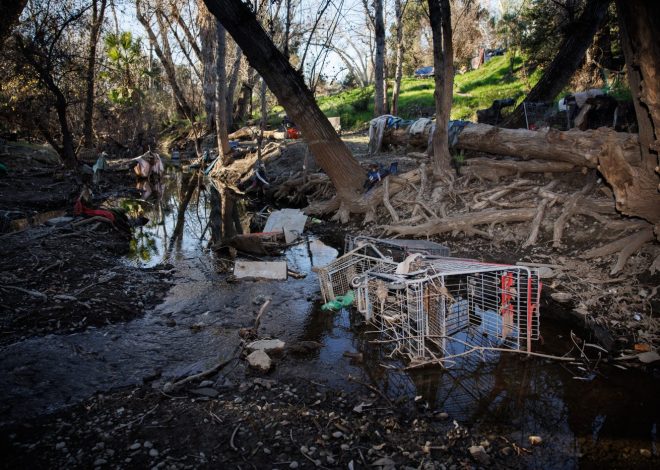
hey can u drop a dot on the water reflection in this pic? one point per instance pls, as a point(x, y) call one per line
point(582, 423)
point(186, 214)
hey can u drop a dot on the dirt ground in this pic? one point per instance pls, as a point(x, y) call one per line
point(60, 279)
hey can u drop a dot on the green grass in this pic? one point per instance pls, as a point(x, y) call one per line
point(473, 90)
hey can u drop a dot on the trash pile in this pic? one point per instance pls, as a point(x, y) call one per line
point(429, 306)
point(283, 227)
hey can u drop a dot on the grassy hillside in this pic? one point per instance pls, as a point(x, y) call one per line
point(473, 90)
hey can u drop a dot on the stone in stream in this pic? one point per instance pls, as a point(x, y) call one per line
point(266, 345)
point(259, 360)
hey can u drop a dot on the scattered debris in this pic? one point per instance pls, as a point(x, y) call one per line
point(434, 307)
point(290, 221)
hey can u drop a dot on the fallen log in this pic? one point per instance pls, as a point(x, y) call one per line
point(616, 155)
point(253, 132)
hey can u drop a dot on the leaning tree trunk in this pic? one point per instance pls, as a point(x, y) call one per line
point(221, 91)
point(379, 66)
point(232, 83)
point(207, 35)
point(566, 62)
point(288, 86)
point(398, 73)
point(443, 62)
point(639, 24)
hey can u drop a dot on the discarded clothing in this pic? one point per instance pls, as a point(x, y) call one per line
point(377, 173)
point(79, 208)
point(455, 128)
point(149, 164)
point(419, 126)
point(376, 129)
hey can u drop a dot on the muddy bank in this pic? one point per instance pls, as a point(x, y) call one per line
point(57, 276)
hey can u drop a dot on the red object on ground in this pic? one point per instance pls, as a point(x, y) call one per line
point(293, 133)
point(80, 209)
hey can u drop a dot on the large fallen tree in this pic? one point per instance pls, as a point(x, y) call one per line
point(615, 154)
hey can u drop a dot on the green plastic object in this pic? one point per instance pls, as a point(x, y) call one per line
point(340, 302)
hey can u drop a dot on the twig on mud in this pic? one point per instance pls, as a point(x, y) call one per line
point(139, 418)
point(372, 388)
point(32, 293)
point(216, 417)
point(201, 375)
point(261, 312)
point(304, 454)
point(233, 435)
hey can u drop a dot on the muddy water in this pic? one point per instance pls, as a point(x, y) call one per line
point(585, 418)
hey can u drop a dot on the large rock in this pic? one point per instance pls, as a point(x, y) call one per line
point(259, 360)
point(266, 345)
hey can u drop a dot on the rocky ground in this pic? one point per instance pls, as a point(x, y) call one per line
point(260, 423)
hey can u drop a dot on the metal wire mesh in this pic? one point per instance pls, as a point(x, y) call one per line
point(443, 306)
point(397, 249)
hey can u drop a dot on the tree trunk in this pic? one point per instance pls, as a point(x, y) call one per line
point(398, 73)
point(566, 62)
point(67, 152)
point(287, 29)
point(97, 21)
point(231, 86)
point(221, 91)
point(207, 34)
point(615, 154)
point(443, 62)
point(215, 215)
point(639, 25)
point(380, 105)
point(288, 86)
point(11, 12)
point(165, 57)
point(243, 102)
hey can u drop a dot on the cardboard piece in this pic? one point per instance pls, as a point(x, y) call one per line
point(291, 221)
point(260, 269)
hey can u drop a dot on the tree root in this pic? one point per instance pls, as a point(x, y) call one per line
point(464, 222)
point(625, 246)
point(536, 224)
